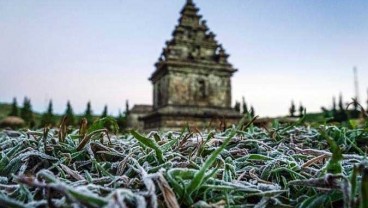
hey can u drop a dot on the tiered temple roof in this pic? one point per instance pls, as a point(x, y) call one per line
point(193, 42)
point(192, 79)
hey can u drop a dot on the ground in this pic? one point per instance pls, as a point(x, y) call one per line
point(286, 166)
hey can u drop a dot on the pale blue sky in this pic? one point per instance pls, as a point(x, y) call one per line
point(104, 51)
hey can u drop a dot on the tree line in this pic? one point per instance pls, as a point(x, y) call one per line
point(340, 111)
point(292, 110)
point(243, 108)
point(49, 118)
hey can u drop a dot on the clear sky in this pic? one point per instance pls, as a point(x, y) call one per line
point(104, 51)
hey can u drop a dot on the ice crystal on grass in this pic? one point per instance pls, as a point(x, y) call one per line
point(287, 166)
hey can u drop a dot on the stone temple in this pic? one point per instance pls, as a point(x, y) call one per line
point(191, 81)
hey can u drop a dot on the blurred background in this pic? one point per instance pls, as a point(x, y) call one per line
point(104, 51)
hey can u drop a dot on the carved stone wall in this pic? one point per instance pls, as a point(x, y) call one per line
point(201, 90)
point(161, 92)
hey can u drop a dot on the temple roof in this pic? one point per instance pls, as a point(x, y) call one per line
point(193, 42)
point(141, 109)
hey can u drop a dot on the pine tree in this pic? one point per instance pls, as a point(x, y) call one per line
point(301, 110)
point(334, 113)
point(126, 107)
point(122, 121)
point(50, 108)
point(237, 106)
point(245, 107)
point(69, 115)
point(48, 117)
point(252, 112)
point(88, 113)
point(14, 109)
point(292, 109)
point(342, 114)
point(26, 113)
point(367, 102)
point(341, 104)
point(104, 112)
point(334, 104)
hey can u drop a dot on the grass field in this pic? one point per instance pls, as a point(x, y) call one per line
point(244, 166)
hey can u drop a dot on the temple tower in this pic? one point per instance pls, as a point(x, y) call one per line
point(192, 80)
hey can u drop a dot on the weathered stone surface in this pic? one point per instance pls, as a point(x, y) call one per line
point(200, 90)
point(177, 117)
point(192, 80)
point(134, 115)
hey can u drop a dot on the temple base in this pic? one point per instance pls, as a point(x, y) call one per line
point(176, 118)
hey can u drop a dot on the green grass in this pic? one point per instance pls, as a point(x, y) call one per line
point(4, 110)
point(315, 117)
point(284, 166)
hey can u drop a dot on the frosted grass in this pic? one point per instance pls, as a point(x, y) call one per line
point(284, 166)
